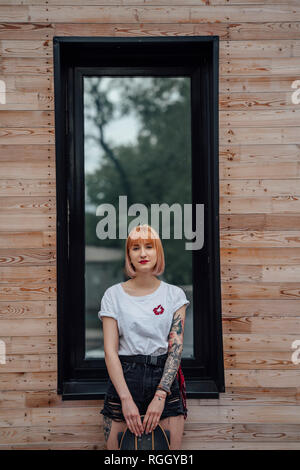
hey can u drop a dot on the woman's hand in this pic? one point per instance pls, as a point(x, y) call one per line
point(154, 411)
point(132, 416)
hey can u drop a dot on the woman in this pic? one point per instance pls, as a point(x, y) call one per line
point(143, 326)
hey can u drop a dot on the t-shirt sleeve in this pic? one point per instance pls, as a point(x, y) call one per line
point(106, 308)
point(179, 299)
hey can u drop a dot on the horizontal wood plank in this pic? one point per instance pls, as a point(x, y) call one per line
point(55, 446)
point(268, 85)
point(254, 135)
point(264, 204)
point(30, 344)
point(237, 273)
point(28, 101)
point(248, 222)
point(41, 398)
point(21, 118)
point(228, 49)
point(260, 154)
point(260, 308)
point(23, 276)
point(15, 169)
point(253, 103)
point(254, 256)
point(263, 290)
point(25, 135)
point(28, 327)
point(262, 378)
point(27, 204)
point(29, 362)
point(254, 238)
point(26, 66)
point(276, 325)
point(25, 309)
point(261, 67)
point(260, 187)
point(259, 117)
point(31, 154)
point(28, 292)
point(124, 3)
point(145, 14)
point(33, 223)
point(29, 257)
point(191, 444)
point(25, 48)
point(275, 360)
point(33, 239)
point(59, 435)
point(260, 49)
point(22, 381)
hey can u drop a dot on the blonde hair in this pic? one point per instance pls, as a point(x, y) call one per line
point(146, 234)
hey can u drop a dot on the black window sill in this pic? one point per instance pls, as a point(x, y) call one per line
point(88, 390)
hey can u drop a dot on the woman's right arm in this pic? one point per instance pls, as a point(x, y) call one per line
point(115, 371)
point(112, 361)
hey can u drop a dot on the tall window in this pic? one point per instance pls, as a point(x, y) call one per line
point(136, 124)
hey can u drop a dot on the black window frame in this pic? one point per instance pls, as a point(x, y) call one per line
point(198, 57)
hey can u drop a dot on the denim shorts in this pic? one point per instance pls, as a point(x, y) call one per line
point(142, 381)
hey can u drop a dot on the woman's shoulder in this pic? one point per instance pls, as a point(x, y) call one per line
point(111, 290)
point(176, 293)
point(172, 288)
point(114, 286)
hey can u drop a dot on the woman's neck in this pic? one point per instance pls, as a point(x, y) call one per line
point(145, 282)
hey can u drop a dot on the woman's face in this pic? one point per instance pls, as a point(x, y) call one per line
point(140, 251)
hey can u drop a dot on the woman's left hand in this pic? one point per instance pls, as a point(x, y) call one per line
point(153, 414)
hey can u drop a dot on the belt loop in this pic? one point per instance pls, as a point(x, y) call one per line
point(153, 360)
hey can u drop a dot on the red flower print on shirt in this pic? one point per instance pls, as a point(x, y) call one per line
point(158, 310)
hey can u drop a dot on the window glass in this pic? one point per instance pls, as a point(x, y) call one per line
point(137, 143)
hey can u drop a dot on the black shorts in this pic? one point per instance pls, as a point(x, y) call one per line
point(142, 381)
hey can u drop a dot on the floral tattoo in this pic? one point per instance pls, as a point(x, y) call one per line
point(107, 422)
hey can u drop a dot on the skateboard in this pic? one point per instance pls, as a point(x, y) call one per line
point(159, 439)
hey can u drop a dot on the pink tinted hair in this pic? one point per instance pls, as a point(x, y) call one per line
point(144, 233)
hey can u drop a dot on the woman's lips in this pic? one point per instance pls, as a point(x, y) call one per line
point(143, 262)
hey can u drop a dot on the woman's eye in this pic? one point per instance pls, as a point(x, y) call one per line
point(136, 247)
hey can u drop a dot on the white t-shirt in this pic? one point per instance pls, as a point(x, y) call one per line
point(144, 322)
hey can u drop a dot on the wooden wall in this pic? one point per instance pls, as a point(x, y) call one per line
point(259, 206)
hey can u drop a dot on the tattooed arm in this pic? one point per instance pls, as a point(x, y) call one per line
point(174, 350)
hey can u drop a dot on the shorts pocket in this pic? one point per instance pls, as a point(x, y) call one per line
point(113, 408)
point(126, 366)
point(111, 397)
point(110, 390)
point(173, 398)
